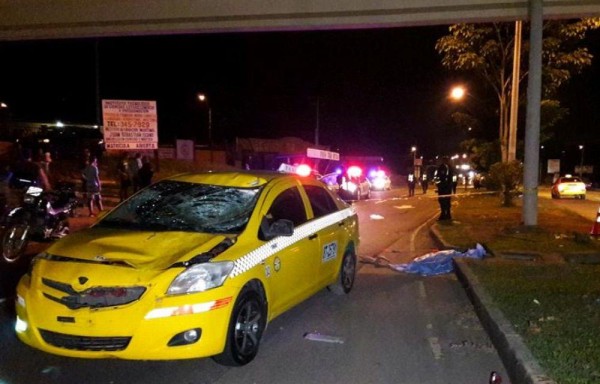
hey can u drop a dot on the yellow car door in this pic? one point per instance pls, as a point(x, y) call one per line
point(289, 271)
point(332, 237)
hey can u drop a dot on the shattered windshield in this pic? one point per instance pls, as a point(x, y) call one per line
point(180, 206)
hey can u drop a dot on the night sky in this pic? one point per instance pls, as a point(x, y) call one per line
point(379, 91)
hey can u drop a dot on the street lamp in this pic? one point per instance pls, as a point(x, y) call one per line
point(413, 149)
point(204, 99)
point(458, 93)
point(581, 162)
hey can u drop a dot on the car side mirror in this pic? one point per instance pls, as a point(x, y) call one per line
point(281, 227)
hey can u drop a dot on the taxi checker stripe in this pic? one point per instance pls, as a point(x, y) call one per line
point(265, 251)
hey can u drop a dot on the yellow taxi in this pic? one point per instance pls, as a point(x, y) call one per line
point(195, 265)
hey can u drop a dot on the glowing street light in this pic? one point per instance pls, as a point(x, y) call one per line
point(581, 162)
point(3, 105)
point(458, 93)
point(204, 99)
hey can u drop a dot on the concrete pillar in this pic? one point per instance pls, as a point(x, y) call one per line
point(532, 127)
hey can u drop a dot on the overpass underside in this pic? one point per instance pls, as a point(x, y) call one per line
point(42, 19)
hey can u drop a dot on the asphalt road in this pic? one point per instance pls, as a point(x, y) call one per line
point(587, 208)
point(393, 327)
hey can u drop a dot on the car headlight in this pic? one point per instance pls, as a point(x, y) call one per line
point(200, 278)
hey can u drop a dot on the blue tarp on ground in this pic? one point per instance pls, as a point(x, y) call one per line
point(437, 263)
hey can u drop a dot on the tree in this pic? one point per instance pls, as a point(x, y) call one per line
point(486, 50)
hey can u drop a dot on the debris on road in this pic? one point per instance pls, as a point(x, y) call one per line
point(403, 206)
point(315, 336)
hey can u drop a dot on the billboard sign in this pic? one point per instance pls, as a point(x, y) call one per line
point(553, 166)
point(130, 124)
point(322, 154)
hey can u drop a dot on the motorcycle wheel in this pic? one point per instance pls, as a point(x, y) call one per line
point(14, 243)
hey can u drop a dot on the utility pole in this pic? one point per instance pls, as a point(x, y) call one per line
point(532, 128)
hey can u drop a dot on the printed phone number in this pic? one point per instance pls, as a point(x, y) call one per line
point(128, 124)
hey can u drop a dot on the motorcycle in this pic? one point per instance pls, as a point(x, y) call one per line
point(43, 216)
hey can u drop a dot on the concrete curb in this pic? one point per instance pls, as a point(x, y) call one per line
point(518, 360)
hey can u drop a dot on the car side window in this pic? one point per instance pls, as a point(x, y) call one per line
point(321, 202)
point(288, 205)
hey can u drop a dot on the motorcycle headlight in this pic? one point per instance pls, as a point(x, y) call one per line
point(200, 278)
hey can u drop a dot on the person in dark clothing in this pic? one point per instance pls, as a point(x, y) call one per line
point(135, 165)
point(443, 181)
point(93, 186)
point(412, 182)
point(424, 183)
point(28, 171)
point(124, 177)
point(145, 173)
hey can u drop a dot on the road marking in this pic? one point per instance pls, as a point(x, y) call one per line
point(436, 348)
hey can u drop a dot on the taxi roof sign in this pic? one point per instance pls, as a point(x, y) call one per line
point(322, 154)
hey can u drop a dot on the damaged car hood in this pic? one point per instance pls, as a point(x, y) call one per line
point(139, 249)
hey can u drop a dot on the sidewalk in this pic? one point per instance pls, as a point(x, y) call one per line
point(518, 360)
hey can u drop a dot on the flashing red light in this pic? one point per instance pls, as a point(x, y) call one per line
point(303, 170)
point(354, 171)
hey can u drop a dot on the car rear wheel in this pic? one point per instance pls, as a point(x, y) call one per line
point(14, 243)
point(347, 275)
point(247, 324)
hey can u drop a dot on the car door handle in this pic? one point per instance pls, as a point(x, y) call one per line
point(313, 236)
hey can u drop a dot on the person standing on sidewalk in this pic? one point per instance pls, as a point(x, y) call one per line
point(134, 167)
point(124, 177)
point(91, 175)
point(146, 172)
point(443, 181)
point(411, 184)
point(424, 183)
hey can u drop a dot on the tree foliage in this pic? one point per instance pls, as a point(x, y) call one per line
point(486, 50)
point(505, 177)
point(482, 153)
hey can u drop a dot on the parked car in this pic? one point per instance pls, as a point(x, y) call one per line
point(192, 266)
point(354, 185)
point(380, 181)
point(568, 186)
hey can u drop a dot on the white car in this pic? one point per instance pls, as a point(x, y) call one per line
point(380, 181)
point(568, 186)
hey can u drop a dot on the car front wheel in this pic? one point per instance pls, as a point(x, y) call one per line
point(247, 324)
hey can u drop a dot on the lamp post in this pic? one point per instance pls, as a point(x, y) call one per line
point(413, 149)
point(204, 99)
point(581, 162)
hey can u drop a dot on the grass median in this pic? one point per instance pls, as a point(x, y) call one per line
point(552, 303)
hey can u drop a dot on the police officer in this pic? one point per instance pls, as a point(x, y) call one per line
point(443, 181)
point(411, 184)
point(424, 183)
